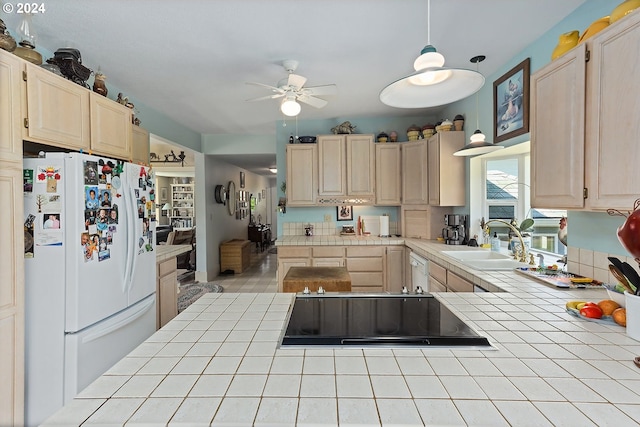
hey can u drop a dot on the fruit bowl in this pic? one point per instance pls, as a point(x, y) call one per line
point(614, 294)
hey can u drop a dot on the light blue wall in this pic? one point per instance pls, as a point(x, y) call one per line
point(238, 144)
point(588, 230)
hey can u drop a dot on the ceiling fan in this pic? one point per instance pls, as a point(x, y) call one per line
point(292, 90)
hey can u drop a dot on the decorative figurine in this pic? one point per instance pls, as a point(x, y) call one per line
point(343, 128)
point(98, 84)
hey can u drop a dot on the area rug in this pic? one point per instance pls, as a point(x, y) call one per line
point(191, 292)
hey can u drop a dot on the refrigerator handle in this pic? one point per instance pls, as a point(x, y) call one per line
point(130, 237)
point(134, 257)
point(124, 322)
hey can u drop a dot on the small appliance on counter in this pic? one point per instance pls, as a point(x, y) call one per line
point(348, 230)
point(455, 232)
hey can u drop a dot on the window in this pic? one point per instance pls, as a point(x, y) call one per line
point(506, 190)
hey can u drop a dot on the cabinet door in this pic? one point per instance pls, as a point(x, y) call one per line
point(285, 264)
point(388, 174)
point(613, 152)
point(12, 329)
point(10, 115)
point(394, 274)
point(414, 173)
point(140, 145)
point(302, 174)
point(557, 132)
point(167, 298)
point(361, 166)
point(332, 165)
point(111, 132)
point(447, 173)
point(57, 110)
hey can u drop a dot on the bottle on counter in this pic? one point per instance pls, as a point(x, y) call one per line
point(495, 242)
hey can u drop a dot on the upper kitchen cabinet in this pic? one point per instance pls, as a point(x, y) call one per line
point(584, 124)
point(446, 172)
point(140, 145)
point(57, 110)
point(10, 116)
point(346, 167)
point(414, 173)
point(111, 128)
point(388, 174)
point(302, 174)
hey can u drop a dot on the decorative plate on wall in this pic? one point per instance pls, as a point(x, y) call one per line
point(221, 194)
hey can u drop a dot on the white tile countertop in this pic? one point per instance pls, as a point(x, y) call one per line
point(219, 363)
point(337, 240)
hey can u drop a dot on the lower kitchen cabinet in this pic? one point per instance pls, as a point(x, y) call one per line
point(166, 291)
point(443, 280)
point(372, 268)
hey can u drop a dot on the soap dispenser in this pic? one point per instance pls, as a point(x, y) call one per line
point(495, 242)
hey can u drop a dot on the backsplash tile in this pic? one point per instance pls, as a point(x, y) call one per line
point(594, 264)
point(325, 228)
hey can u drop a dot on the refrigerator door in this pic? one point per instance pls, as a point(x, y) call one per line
point(95, 286)
point(91, 352)
point(138, 192)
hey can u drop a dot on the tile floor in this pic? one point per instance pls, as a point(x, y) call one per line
point(259, 278)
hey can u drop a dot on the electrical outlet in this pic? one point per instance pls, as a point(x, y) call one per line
point(327, 218)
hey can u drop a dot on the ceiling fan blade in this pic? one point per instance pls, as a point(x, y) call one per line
point(262, 98)
point(321, 90)
point(273, 88)
point(296, 81)
point(312, 100)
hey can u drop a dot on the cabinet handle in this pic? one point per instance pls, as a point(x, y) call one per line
point(26, 123)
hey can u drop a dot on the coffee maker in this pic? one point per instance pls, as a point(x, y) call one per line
point(455, 232)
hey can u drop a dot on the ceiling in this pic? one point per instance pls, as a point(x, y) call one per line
point(190, 59)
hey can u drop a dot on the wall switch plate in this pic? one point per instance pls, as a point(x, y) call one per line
point(327, 218)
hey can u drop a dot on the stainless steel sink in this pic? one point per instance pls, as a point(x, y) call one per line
point(475, 255)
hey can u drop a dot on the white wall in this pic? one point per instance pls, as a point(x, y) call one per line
point(214, 224)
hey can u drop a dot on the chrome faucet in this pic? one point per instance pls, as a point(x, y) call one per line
point(523, 249)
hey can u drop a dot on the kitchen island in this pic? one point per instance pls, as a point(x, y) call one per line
point(219, 363)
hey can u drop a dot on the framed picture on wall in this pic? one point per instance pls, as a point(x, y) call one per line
point(344, 213)
point(241, 179)
point(164, 194)
point(511, 102)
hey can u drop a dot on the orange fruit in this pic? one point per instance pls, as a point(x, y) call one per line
point(620, 316)
point(608, 306)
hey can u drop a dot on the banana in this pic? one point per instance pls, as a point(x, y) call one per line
point(574, 304)
point(581, 280)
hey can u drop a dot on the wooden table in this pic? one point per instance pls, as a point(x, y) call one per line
point(332, 279)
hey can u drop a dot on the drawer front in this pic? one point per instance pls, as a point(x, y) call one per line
point(365, 251)
point(366, 280)
point(364, 264)
point(294, 251)
point(167, 266)
point(327, 262)
point(327, 251)
point(438, 272)
point(458, 284)
point(436, 286)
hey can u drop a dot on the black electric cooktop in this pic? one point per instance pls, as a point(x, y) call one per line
point(376, 320)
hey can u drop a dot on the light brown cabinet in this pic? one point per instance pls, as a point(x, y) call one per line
point(388, 174)
point(140, 145)
point(366, 268)
point(291, 256)
point(111, 128)
point(346, 167)
point(584, 126)
point(12, 328)
point(302, 174)
point(443, 280)
point(415, 190)
point(166, 291)
point(446, 172)
point(394, 274)
point(57, 110)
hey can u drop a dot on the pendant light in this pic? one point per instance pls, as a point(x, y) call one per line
point(432, 84)
point(478, 143)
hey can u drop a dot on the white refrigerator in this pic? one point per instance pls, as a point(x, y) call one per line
point(89, 272)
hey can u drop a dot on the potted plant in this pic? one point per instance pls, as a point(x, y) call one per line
point(525, 229)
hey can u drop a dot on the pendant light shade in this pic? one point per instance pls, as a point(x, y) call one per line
point(478, 143)
point(432, 84)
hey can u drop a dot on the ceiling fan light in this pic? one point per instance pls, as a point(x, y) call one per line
point(273, 170)
point(290, 107)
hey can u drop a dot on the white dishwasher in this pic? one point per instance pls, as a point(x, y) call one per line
point(419, 272)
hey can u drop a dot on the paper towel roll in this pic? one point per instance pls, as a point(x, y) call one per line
point(384, 226)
